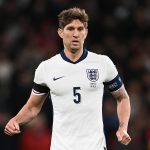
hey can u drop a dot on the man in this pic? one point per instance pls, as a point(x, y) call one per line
point(75, 79)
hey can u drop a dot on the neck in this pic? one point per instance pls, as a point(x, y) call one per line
point(73, 56)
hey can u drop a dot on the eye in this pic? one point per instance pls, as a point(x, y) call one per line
point(70, 28)
point(80, 29)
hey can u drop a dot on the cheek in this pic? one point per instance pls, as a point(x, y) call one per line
point(85, 35)
point(83, 38)
point(66, 39)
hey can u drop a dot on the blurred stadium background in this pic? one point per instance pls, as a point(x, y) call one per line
point(28, 35)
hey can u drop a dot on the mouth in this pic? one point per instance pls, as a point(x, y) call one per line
point(75, 42)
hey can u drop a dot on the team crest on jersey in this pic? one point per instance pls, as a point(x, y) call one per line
point(92, 74)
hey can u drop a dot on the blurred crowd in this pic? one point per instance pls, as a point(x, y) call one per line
point(28, 35)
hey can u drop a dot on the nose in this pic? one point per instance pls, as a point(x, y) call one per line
point(76, 33)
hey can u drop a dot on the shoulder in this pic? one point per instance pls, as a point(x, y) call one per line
point(99, 57)
point(51, 61)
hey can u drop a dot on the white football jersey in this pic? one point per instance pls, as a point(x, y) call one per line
point(76, 90)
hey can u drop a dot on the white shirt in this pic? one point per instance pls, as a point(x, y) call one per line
point(76, 90)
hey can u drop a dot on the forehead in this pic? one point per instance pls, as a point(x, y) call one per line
point(75, 23)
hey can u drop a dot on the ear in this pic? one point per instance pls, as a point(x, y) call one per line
point(60, 32)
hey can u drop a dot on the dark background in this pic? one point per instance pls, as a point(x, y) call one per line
point(28, 35)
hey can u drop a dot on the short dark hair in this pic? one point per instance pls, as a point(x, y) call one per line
point(67, 16)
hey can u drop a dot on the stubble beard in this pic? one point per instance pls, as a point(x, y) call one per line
point(74, 50)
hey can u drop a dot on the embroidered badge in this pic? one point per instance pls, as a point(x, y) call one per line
point(92, 74)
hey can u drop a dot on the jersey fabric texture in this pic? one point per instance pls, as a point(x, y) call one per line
point(76, 90)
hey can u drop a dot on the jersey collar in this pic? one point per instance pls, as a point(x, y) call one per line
point(83, 56)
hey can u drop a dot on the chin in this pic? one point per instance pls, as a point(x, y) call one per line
point(74, 50)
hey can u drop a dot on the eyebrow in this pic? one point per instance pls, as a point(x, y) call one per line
point(72, 27)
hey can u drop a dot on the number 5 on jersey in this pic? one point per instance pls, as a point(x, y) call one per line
point(76, 94)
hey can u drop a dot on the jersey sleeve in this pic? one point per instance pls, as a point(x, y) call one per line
point(39, 84)
point(112, 78)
